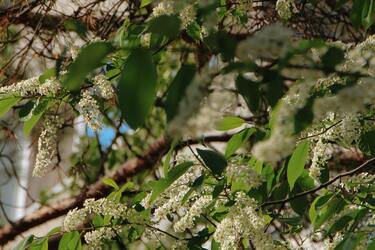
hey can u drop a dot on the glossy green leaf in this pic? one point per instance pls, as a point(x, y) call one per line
point(137, 87)
point(297, 162)
point(26, 109)
point(368, 14)
point(332, 207)
point(49, 73)
point(351, 241)
point(25, 243)
point(165, 25)
point(230, 122)
point(237, 140)
point(90, 58)
point(356, 13)
point(145, 3)
point(177, 89)
point(40, 244)
point(110, 182)
point(317, 203)
point(250, 92)
point(215, 161)
point(7, 103)
point(37, 114)
point(70, 241)
point(367, 142)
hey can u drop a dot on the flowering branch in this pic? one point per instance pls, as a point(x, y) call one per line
point(324, 185)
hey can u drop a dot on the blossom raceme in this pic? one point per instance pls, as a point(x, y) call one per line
point(47, 145)
point(89, 109)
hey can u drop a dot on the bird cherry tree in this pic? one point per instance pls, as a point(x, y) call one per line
point(250, 125)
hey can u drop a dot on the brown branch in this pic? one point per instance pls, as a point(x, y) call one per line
point(96, 190)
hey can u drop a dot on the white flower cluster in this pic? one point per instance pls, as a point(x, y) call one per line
point(89, 109)
point(348, 131)
point(187, 221)
point(74, 51)
point(180, 245)
point(191, 102)
point(349, 100)
point(241, 222)
point(74, 219)
point(50, 87)
point(283, 8)
point(95, 239)
point(187, 16)
point(47, 145)
point(32, 86)
point(23, 88)
point(321, 154)
point(362, 57)
point(103, 206)
point(163, 8)
point(106, 207)
point(185, 11)
point(170, 201)
point(282, 142)
point(362, 180)
point(270, 42)
point(102, 87)
point(244, 174)
point(171, 205)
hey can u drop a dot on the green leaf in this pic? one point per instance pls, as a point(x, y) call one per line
point(70, 241)
point(304, 116)
point(159, 186)
point(49, 73)
point(297, 162)
point(7, 103)
point(356, 13)
point(177, 89)
point(250, 92)
point(41, 244)
point(90, 58)
point(215, 161)
point(26, 109)
point(165, 25)
point(137, 87)
point(25, 243)
point(229, 122)
point(237, 140)
point(371, 245)
point(332, 57)
point(274, 86)
point(299, 204)
point(332, 207)
point(194, 31)
point(168, 157)
point(145, 3)
point(350, 242)
point(37, 114)
point(367, 142)
point(218, 189)
point(194, 187)
point(76, 26)
point(368, 14)
point(110, 182)
point(340, 224)
point(318, 202)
